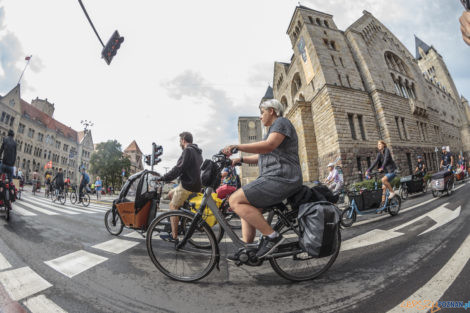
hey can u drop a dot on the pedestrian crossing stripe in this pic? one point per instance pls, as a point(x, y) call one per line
point(97, 208)
point(46, 203)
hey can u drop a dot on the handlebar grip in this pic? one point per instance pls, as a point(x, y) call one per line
point(234, 150)
point(238, 164)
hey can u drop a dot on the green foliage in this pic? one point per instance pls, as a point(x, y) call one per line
point(395, 182)
point(370, 184)
point(427, 177)
point(108, 161)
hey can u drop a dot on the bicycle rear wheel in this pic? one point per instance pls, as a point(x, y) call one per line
point(62, 198)
point(301, 266)
point(189, 263)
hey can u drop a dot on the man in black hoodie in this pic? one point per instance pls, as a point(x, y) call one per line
point(8, 150)
point(188, 169)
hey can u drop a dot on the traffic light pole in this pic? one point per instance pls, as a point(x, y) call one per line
point(152, 157)
point(91, 23)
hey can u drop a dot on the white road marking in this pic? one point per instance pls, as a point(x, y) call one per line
point(74, 263)
point(4, 264)
point(116, 246)
point(39, 209)
point(439, 283)
point(21, 211)
point(441, 215)
point(22, 282)
point(41, 304)
point(60, 206)
point(135, 235)
point(370, 238)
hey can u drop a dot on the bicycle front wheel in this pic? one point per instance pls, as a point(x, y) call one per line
point(73, 198)
point(301, 266)
point(86, 200)
point(188, 263)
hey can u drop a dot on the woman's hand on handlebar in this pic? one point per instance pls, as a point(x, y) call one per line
point(236, 162)
point(229, 150)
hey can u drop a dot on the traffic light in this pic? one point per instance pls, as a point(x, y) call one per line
point(114, 43)
point(157, 151)
point(147, 160)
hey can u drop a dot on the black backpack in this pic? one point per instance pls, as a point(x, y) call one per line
point(319, 228)
point(210, 175)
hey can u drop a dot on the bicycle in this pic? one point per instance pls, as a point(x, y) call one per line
point(184, 261)
point(59, 195)
point(48, 190)
point(359, 205)
point(84, 200)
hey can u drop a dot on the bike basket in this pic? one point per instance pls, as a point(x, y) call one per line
point(371, 199)
point(207, 215)
point(319, 223)
point(406, 179)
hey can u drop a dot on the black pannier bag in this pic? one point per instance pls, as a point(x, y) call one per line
point(209, 174)
point(442, 174)
point(371, 199)
point(319, 225)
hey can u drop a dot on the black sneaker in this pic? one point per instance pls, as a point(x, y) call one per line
point(235, 257)
point(168, 237)
point(268, 245)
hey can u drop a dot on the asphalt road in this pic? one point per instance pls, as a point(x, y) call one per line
point(61, 258)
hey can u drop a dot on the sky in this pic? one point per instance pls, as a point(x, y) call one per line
point(184, 65)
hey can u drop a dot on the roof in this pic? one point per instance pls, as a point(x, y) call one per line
point(269, 94)
point(133, 147)
point(420, 44)
point(37, 115)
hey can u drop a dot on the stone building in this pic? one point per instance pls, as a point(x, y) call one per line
point(345, 90)
point(134, 154)
point(41, 139)
point(249, 130)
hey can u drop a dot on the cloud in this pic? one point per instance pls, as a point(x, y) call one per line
point(261, 74)
point(218, 124)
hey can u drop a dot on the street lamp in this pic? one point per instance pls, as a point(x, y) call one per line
point(86, 124)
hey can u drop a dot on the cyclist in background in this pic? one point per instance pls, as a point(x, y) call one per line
point(83, 182)
point(385, 163)
point(229, 182)
point(421, 169)
point(59, 180)
point(447, 159)
point(334, 180)
point(98, 185)
point(35, 181)
point(8, 150)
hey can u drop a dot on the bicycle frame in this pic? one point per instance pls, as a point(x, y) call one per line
point(355, 209)
point(208, 201)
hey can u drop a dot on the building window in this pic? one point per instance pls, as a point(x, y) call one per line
point(333, 59)
point(340, 80)
point(333, 45)
point(57, 144)
point(351, 126)
point(359, 167)
point(349, 82)
point(325, 41)
point(410, 167)
point(318, 21)
point(361, 127)
point(40, 137)
point(326, 24)
point(405, 133)
point(21, 129)
point(4, 114)
point(310, 19)
point(341, 60)
point(12, 120)
point(398, 127)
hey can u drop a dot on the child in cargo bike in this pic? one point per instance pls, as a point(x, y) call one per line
point(385, 163)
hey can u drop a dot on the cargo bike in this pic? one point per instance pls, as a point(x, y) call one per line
point(442, 182)
point(412, 184)
point(137, 204)
point(363, 202)
point(8, 195)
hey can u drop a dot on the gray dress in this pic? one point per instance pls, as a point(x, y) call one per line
point(279, 171)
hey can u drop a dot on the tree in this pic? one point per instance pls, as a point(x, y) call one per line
point(108, 161)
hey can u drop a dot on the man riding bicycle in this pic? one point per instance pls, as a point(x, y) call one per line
point(447, 159)
point(83, 182)
point(8, 149)
point(59, 180)
point(188, 169)
point(421, 169)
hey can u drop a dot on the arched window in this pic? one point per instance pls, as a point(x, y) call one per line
point(318, 21)
point(297, 29)
point(326, 24)
point(295, 85)
point(310, 19)
point(299, 24)
point(395, 63)
point(284, 102)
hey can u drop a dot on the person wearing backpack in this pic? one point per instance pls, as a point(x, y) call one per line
point(83, 182)
point(8, 150)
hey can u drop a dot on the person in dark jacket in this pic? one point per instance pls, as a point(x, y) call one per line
point(188, 169)
point(384, 163)
point(59, 180)
point(8, 150)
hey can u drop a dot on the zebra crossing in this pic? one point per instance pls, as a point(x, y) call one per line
point(30, 205)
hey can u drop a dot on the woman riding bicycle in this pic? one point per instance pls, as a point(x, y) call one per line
point(280, 176)
point(385, 163)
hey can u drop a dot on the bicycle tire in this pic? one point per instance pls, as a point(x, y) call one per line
point(394, 206)
point(295, 274)
point(345, 220)
point(7, 210)
point(153, 238)
point(86, 200)
point(108, 219)
point(73, 198)
point(404, 193)
point(62, 198)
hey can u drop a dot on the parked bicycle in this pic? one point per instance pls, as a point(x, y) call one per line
point(369, 201)
point(183, 260)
